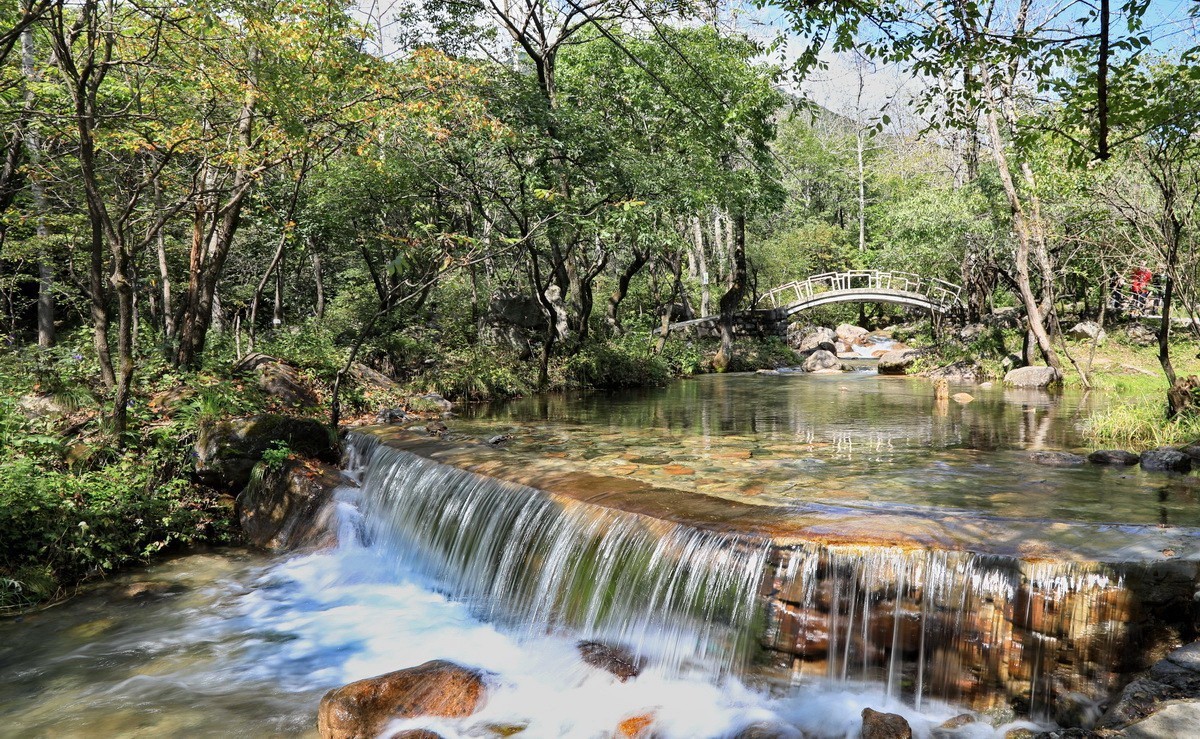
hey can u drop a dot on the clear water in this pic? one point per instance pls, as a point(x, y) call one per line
point(857, 439)
point(242, 645)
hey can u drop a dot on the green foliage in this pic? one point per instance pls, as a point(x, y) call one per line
point(57, 528)
point(627, 363)
point(1140, 422)
point(477, 373)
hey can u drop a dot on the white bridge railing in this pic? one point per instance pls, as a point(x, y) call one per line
point(940, 294)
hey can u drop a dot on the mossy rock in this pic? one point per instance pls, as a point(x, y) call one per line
point(227, 450)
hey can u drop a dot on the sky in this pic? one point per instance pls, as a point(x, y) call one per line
point(1169, 24)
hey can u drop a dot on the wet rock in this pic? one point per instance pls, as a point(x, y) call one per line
point(227, 450)
point(768, 730)
point(417, 734)
point(822, 361)
point(436, 428)
point(392, 415)
point(897, 361)
point(291, 507)
point(767, 372)
point(1019, 733)
point(363, 708)
point(619, 662)
point(1087, 331)
point(1075, 710)
point(1165, 459)
point(636, 727)
point(1114, 457)
point(1033, 377)
point(499, 439)
point(958, 721)
point(1187, 657)
point(1057, 459)
point(962, 398)
point(1193, 451)
point(811, 340)
point(879, 725)
point(850, 335)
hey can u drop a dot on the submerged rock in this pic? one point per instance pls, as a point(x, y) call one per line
point(1033, 377)
point(227, 450)
point(619, 662)
point(392, 415)
point(1057, 459)
point(436, 428)
point(822, 361)
point(879, 725)
point(1165, 459)
point(962, 398)
point(291, 507)
point(1114, 457)
point(363, 708)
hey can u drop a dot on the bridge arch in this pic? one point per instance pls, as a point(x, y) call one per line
point(853, 286)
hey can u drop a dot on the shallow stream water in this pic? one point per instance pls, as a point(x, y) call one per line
point(239, 644)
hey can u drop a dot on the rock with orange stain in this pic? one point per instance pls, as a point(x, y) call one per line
point(636, 727)
point(623, 469)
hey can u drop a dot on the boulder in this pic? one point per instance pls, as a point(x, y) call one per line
point(227, 450)
point(437, 401)
point(1114, 457)
point(1087, 331)
point(1169, 681)
point(41, 405)
point(961, 372)
point(1033, 377)
point(822, 361)
point(417, 734)
point(291, 506)
point(620, 663)
point(850, 335)
point(366, 377)
point(962, 398)
point(879, 725)
point(392, 415)
point(278, 378)
point(1141, 335)
point(1177, 718)
point(363, 708)
point(809, 341)
point(1057, 459)
point(897, 361)
point(1165, 459)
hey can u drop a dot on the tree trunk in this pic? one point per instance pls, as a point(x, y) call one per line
point(702, 266)
point(614, 301)
point(319, 280)
point(733, 296)
point(1024, 230)
point(33, 154)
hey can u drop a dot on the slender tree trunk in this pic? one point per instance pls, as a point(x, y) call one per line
point(702, 265)
point(164, 273)
point(1024, 230)
point(33, 154)
point(319, 280)
point(733, 296)
point(614, 301)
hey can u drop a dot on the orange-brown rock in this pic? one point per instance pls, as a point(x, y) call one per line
point(636, 727)
point(879, 725)
point(361, 709)
point(416, 734)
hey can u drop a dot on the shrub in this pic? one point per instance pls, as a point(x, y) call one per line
point(619, 364)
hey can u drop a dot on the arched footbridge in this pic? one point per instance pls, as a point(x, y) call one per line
point(855, 286)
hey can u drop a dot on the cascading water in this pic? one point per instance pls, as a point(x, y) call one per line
point(684, 596)
point(982, 630)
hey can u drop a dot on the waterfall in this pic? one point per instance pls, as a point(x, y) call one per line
point(971, 628)
point(684, 597)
